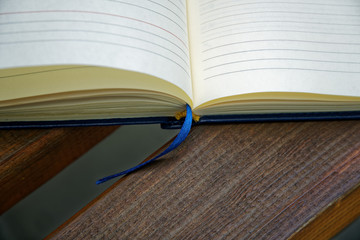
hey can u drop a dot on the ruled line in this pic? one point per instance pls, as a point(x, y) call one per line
point(97, 13)
point(280, 21)
point(101, 42)
point(97, 22)
point(181, 10)
point(100, 32)
point(278, 2)
point(280, 40)
point(280, 31)
point(280, 50)
point(279, 59)
point(204, 3)
point(274, 68)
point(282, 12)
point(153, 11)
point(170, 10)
point(264, 8)
point(45, 71)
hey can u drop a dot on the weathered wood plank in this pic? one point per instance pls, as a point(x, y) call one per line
point(30, 157)
point(233, 181)
point(333, 219)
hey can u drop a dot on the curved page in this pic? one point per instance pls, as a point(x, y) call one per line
point(147, 37)
point(245, 47)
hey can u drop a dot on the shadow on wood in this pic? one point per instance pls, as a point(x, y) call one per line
point(30, 157)
point(234, 181)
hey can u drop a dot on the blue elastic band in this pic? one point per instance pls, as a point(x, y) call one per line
point(184, 131)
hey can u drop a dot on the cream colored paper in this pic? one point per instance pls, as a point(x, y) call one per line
point(242, 47)
point(149, 37)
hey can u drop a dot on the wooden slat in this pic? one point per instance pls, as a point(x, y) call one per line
point(234, 181)
point(333, 219)
point(30, 157)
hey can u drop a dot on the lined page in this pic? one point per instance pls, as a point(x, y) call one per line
point(276, 46)
point(145, 36)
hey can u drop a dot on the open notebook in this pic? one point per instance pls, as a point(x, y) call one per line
point(121, 61)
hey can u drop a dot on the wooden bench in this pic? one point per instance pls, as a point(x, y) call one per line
point(297, 180)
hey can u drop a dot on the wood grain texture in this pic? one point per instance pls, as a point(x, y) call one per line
point(30, 157)
point(333, 219)
point(233, 181)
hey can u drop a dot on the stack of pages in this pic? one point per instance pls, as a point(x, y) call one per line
point(106, 59)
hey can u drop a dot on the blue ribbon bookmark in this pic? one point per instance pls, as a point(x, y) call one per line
point(185, 129)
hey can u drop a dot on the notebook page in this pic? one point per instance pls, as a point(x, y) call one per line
point(145, 36)
point(276, 46)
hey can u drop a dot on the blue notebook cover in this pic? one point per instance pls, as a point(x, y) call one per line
point(173, 123)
